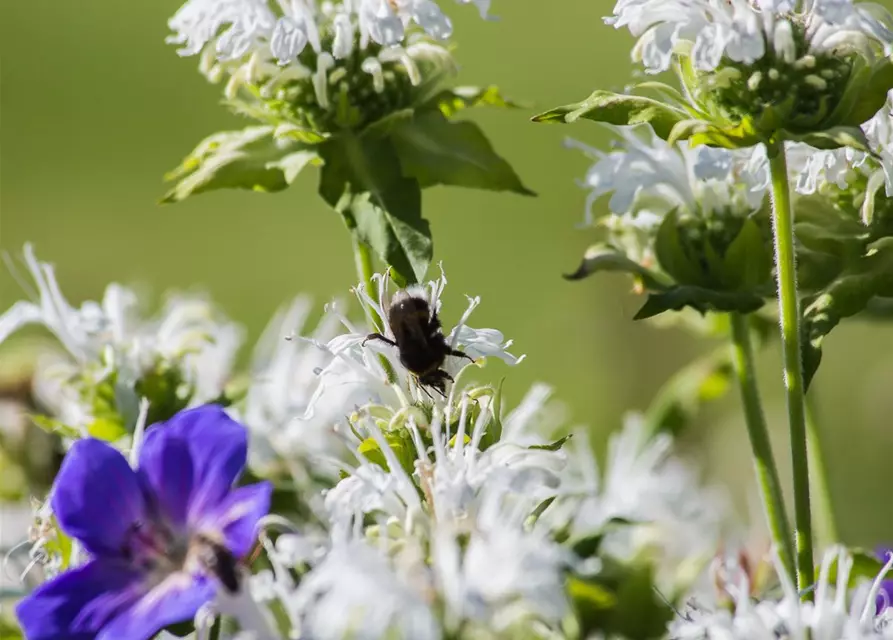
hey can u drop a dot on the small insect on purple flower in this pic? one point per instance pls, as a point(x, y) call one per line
point(161, 538)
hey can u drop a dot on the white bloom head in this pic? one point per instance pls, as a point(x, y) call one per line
point(377, 366)
point(670, 206)
point(664, 515)
point(838, 613)
point(181, 357)
point(749, 31)
point(857, 181)
point(317, 65)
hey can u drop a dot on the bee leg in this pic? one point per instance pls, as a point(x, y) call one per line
point(425, 389)
point(378, 336)
point(460, 354)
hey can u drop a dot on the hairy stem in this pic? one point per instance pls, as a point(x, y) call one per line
point(757, 432)
point(789, 312)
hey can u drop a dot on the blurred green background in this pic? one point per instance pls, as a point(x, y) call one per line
point(95, 108)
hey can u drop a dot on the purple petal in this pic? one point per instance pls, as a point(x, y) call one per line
point(884, 596)
point(176, 599)
point(237, 516)
point(97, 497)
point(78, 603)
point(216, 446)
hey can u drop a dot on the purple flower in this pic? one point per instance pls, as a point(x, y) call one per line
point(161, 538)
point(885, 594)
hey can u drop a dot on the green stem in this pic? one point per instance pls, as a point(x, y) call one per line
point(789, 312)
point(826, 527)
point(363, 258)
point(764, 461)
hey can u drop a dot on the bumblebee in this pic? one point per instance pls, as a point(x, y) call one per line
point(418, 336)
point(217, 560)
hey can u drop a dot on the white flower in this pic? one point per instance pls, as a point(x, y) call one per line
point(741, 30)
point(470, 506)
point(835, 614)
point(840, 168)
point(357, 364)
point(672, 519)
point(647, 178)
point(357, 593)
point(261, 42)
point(283, 380)
point(189, 335)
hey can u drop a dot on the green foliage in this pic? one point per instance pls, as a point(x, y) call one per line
point(434, 150)
point(866, 567)
point(604, 257)
point(552, 446)
point(362, 180)
point(619, 109)
point(700, 299)
point(848, 294)
point(621, 601)
point(253, 158)
point(450, 101)
point(705, 380)
point(400, 441)
point(372, 174)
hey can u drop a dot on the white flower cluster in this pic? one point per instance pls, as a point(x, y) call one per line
point(835, 614)
point(647, 177)
point(261, 41)
point(841, 167)
point(109, 341)
point(742, 30)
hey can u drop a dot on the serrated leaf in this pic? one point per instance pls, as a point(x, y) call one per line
point(848, 294)
point(552, 446)
point(740, 136)
point(700, 299)
point(451, 101)
point(434, 150)
point(835, 138)
point(252, 158)
point(362, 180)
point(618, 109)
point(602, 257)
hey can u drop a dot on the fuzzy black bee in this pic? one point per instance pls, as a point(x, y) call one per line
point(216, 559)
point(418, 336)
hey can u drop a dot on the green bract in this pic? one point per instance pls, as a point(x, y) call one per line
point(820, 98)
point(380, 139)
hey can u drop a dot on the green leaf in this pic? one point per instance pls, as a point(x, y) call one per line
point(700, 299)
point(619, 602)
point(552, 446)
point(869, 96)
point(53, 426)
point(866, 567)
point(603, 257)
point(671, 254)
point(747, 263)
point(434, 150)
point(107, 429)
point(678, 402)
point(849, 294)
point(252, 158)
point(400, 443)
point(834, 138)
point(618, 109)
point(362, 180)
point(451, 101)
